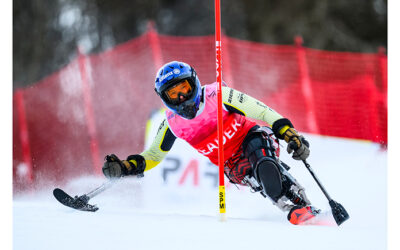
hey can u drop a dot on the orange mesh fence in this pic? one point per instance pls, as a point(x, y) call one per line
point(98, 104)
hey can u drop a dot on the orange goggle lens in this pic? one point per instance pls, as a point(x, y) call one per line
point(181, 88)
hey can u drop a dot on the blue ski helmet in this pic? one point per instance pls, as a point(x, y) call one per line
point(171, 74)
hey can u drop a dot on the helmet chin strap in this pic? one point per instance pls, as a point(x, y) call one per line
point(188, 111)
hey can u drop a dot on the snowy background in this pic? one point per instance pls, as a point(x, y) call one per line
point(173, 212)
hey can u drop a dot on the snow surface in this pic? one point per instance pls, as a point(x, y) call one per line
point(147, 214)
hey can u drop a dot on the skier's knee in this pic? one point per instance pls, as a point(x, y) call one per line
point(257, 147)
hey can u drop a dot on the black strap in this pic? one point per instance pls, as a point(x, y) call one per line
point(278, 124)
point(141, 164)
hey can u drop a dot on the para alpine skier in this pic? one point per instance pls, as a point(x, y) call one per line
point(251, 152)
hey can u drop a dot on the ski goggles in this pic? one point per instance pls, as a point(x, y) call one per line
point(179, 92)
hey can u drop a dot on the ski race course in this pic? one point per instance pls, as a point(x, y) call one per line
point(147, 214)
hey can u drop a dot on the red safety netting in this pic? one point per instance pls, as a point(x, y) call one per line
point(99, 104)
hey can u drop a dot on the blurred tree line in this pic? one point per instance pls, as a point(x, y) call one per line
point(46, 33)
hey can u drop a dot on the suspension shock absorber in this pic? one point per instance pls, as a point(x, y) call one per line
point(296, 199)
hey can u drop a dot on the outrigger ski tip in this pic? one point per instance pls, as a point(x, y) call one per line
point(79, 203)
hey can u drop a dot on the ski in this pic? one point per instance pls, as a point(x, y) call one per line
point(309, 215)
point(79, 203)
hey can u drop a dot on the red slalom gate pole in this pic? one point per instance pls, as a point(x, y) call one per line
point(24, 138)
point(218, 57)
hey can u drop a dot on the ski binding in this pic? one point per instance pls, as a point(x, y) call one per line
point(79, 203)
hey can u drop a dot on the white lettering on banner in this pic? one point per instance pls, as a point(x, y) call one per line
point(235, 124)
point(228, 133)
point(211, 146)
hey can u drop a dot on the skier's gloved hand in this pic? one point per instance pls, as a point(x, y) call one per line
point(283, 129)
point(296, 143)
point(115, 168)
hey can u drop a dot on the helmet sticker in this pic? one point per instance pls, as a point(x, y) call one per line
point(165, 76)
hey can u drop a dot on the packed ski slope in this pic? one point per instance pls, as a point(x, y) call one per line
point(148, 214)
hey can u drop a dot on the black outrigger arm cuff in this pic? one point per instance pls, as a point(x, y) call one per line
point(278, 124)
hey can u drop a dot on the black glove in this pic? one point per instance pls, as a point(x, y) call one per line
point(296, 143)
point(115, 168)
